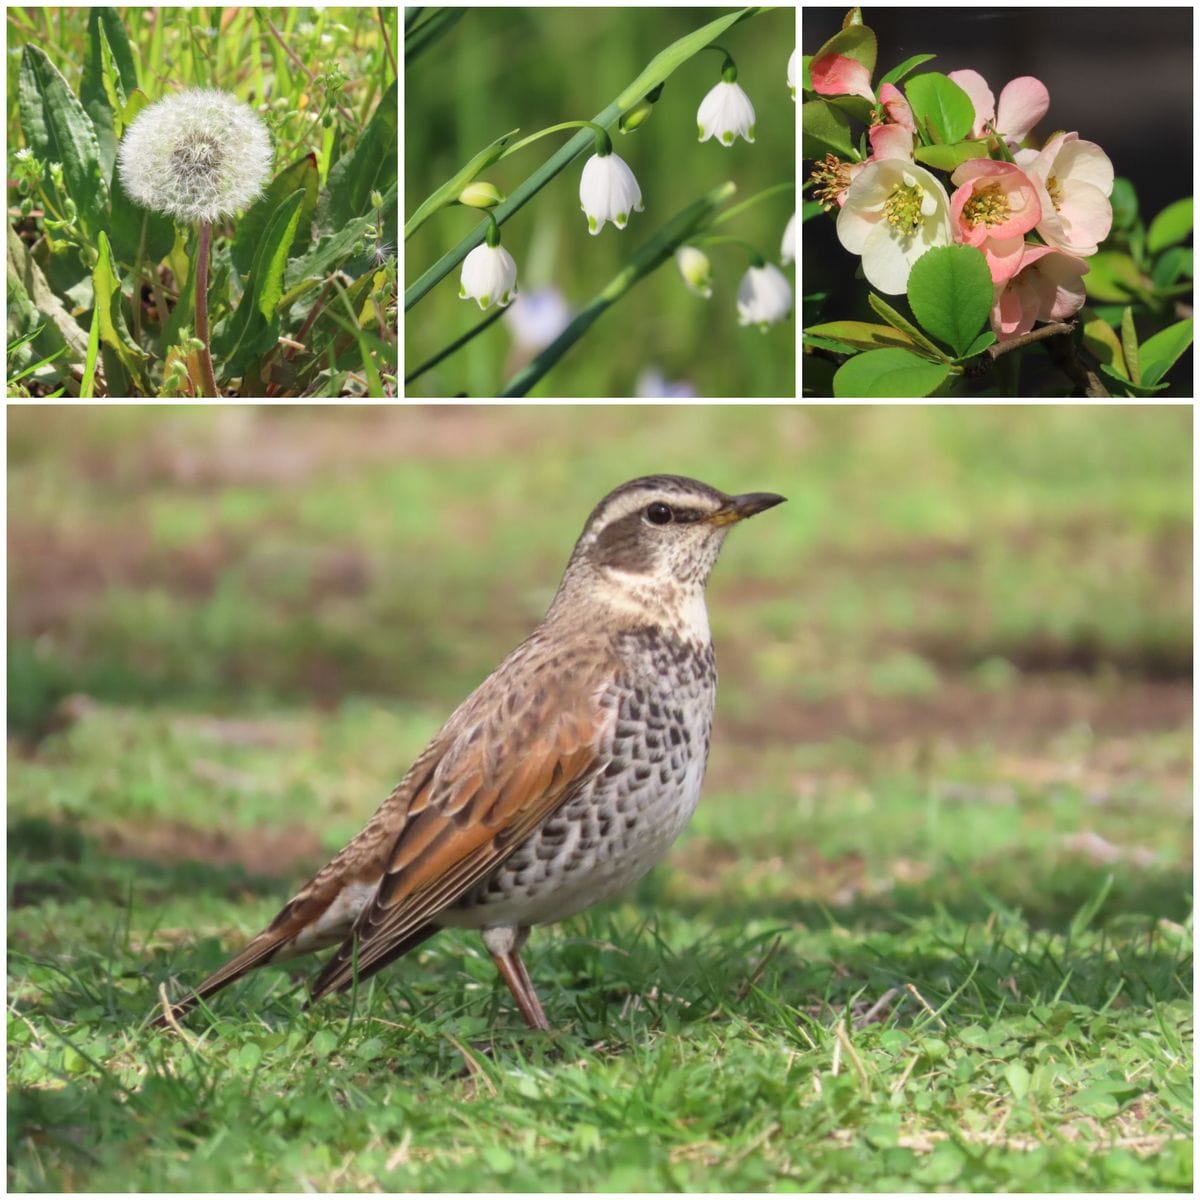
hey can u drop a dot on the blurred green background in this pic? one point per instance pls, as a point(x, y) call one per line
point(500, 68)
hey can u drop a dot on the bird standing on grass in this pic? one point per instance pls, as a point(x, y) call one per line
point(561, 780)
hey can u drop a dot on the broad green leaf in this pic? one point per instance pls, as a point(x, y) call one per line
point(940, 107)
point(946, 158)
point(1113, 276)
point(102, 85)
point(253, 326)
point(1124, 203)
point(1099, 338)
point(862, 335)
point(980, 344)
point(888, 374)
point(31, 301)
point(950, 293)
point(854, 41)
point(370, 166)
point(826, 130)
point(58, 130)
point(1161, 350)
point(247, 237)
point(1171, 225)
point(449, 190)
point(1129, 345)
point(113, 331)
point(897, 73)
point(136, 228)
point(898, 321)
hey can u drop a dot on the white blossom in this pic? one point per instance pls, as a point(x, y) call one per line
point(764, 297)
point(726, 113)
point(608, 191)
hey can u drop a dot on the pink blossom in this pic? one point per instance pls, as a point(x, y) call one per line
point(837, 75)
point(1074, 180)
point(897, 107)
point(1023, 103)
point(890, 141)
point(995, 206)
point(1047, 287)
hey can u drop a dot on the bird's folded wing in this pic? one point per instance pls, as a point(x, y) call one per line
point(484, 798)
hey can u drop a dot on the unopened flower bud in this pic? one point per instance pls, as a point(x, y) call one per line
point(695, 270)
point(481, 194)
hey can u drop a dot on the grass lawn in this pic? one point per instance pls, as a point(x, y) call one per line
point(930, 928)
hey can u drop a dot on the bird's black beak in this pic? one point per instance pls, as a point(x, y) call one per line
point(738, 508)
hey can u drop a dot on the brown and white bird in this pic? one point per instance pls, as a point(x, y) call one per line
point(562, 779)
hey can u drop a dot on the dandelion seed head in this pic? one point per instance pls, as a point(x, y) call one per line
point(197, 155)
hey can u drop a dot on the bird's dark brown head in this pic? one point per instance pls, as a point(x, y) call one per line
point(661, 529)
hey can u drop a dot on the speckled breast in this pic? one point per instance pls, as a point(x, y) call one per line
point(622, 822)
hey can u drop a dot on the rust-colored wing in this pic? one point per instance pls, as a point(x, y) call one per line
point(503, 779)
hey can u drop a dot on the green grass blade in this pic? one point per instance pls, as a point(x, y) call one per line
point(429, 31)
point(88, 384)
point(647, 258)
point(457, 344)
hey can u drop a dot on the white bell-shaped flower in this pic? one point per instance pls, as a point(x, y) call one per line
point(608, 191)
point(726, 113)
point(489, 276)
point(787, 247)
point(764, 296)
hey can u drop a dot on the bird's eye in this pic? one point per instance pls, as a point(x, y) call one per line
point(659, 513)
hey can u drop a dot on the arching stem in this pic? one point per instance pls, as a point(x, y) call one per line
point(208, 379)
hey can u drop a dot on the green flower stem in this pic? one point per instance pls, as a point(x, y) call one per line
point(656, 71)
point(646, 258)
point(207, 377)
point(517, 200)
point(756, 259)
point(765, 194)
point(457, 344)
point(541, 133)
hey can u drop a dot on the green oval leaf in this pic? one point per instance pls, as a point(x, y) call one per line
point(1171, 225)
point(853, 41)
point(897, 73)
point(1124, 203)
point(1099, 338)
point(950, 291)
point(946, 158)
point(940, 107)
point(1160, 352)
point(887, 374)
point(826, 130)
point(1109, 272)
point(1129, 344)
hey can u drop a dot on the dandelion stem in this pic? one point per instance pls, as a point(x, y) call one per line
point(207, 378)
